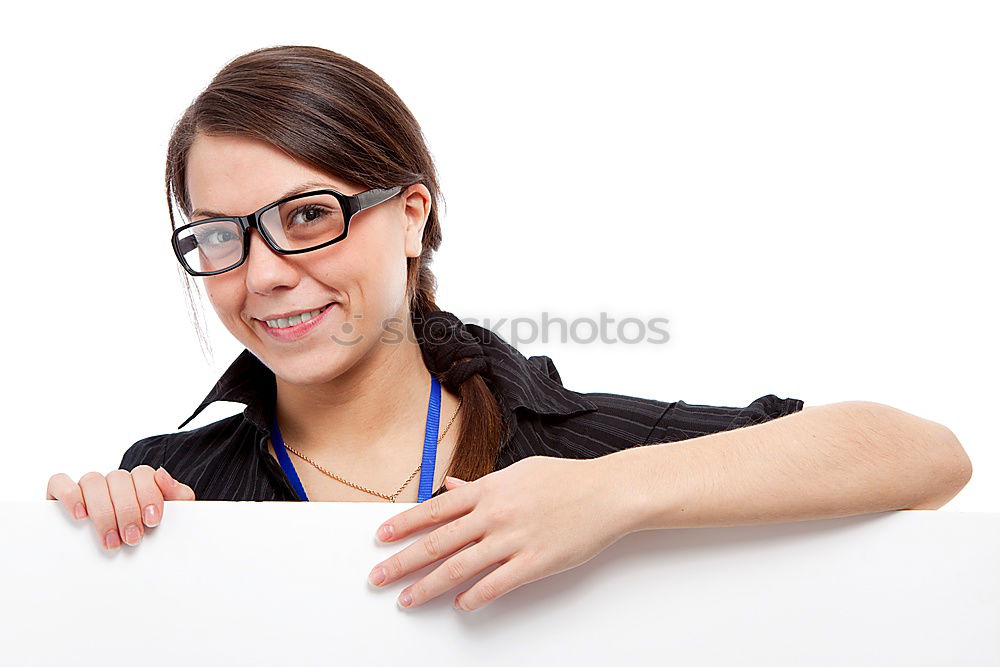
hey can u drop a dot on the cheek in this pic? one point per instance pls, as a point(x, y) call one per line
point(224, 299)
point(385, 276)
point(375, 266)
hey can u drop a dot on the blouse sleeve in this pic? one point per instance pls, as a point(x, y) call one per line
point(684, 420)
point(147, 451)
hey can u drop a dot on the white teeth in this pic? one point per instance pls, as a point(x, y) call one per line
point(285, 322)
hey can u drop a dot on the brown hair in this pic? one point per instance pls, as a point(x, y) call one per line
point(338, 116)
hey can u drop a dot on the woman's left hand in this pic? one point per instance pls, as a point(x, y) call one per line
point(537, 517)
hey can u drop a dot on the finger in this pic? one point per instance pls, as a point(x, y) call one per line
point(458, 569)
point(148, 494)
point(171, 488)
point(126, 506)
point(432, 547)
point(431, 512)
point(102, 513)
point(64, 489)
point(499, 582)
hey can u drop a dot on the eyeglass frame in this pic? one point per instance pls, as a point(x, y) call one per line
point(350, 205)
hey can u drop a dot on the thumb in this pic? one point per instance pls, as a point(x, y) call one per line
point(452, 482)
point(171, 488)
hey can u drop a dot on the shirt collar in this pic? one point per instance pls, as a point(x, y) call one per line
point(518, 382)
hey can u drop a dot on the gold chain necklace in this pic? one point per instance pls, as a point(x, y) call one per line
point(391, 498)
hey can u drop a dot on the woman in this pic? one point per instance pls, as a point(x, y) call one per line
point(309, 203)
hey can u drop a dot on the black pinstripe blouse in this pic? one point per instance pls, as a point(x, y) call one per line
point(229, 459)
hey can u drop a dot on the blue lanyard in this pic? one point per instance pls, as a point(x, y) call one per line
point(427, 463)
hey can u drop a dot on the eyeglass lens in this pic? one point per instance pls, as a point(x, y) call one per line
point(298, 224)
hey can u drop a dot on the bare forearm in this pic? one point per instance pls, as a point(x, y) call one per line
point(824, 462)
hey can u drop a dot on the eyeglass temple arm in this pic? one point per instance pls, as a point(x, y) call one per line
point(376, 196)
point(187, 244)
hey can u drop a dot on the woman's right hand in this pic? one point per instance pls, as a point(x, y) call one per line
point(114, 502)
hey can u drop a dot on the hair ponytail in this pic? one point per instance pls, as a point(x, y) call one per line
point(457, 362)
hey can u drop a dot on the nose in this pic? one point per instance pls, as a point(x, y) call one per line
point(266, 269)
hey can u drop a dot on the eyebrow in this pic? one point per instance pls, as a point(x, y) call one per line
point(297, 190)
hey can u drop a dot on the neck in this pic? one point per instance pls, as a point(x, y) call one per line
point(378, 406)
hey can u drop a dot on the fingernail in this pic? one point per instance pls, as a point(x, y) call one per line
point(79, 511)
point(406, 599)
point(385, 532)
point(111, 540)
point(132, 535)
point(150, 513)
point(456, 480)
point(377, 576)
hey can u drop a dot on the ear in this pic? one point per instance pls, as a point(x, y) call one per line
point(416, 210)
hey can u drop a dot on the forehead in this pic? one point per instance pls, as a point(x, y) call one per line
point(231, 175)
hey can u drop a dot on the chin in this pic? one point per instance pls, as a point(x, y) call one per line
point(306, 368)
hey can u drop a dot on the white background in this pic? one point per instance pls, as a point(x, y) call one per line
point(807, 191)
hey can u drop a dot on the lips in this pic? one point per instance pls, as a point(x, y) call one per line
point(293, 312)
point(297, 331)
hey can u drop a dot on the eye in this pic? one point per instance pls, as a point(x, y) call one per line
point(217, 237)
point(310, 214)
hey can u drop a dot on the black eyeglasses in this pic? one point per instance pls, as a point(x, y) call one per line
point(289, 226)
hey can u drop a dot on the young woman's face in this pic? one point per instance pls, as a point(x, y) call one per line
point(363, 276)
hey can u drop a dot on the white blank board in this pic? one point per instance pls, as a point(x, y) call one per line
point(248, 583)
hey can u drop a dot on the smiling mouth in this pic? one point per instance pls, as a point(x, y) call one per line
point(295, 320)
